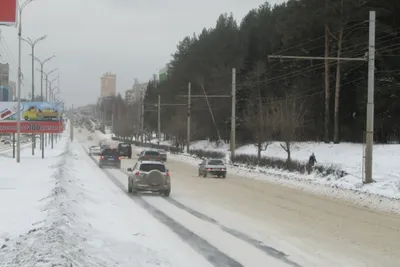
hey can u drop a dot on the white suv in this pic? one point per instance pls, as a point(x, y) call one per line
point(149, 176)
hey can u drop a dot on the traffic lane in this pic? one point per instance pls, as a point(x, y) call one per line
point(311, 221)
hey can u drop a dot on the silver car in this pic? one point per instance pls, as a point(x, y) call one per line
point(149, 176)
point(163, 154)
point(212, 167)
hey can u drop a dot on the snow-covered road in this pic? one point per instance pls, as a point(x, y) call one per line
point(239, 222)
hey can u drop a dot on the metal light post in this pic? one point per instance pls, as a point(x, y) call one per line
point(41, 93)
point(20, 9)
point(47, 98)
point(33, 44)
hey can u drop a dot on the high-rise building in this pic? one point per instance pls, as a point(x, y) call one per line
point(108, 85)
point(130, 96)
point(13, 90)
point(139, 89)
point(5, 95)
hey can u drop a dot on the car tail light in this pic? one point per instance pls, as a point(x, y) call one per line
point(137, 173)
point(119, 158)
point(208, 169)
point(222, 169)
point(101, 157)
point(167, 174)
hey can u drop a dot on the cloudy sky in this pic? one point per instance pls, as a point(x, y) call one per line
point(131, 38)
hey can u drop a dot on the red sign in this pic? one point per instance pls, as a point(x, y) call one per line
point(8, 12)
point(32, 127)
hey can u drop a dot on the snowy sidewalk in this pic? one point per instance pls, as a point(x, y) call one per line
point(24, 189)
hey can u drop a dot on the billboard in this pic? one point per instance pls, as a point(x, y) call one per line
point(8, 12)
point(36, 117)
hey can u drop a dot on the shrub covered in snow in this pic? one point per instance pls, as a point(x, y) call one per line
point(292, 166)
point(206, 154)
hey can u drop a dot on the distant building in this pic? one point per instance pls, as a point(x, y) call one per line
point(163, 73)
point(13, 90)
point(5, 94)
point(108, 85)
point(130, 96)
point(139, 89)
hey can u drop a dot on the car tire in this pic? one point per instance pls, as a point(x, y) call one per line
point(167, 192)
point(224, 176)
point(205, 174)
point(129, 185)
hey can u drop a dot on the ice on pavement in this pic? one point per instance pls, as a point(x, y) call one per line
point(65, 211)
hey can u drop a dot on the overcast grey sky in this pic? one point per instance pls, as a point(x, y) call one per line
point(131, 38)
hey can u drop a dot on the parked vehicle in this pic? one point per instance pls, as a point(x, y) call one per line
point(214, 167)
point(150, 176)
point(152, 155)
point(109, 157)
point(163, 154)
point(94, 150)
point(125, 150)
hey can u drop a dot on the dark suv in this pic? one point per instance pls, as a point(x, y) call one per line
point(125, 150)
point(109, 157)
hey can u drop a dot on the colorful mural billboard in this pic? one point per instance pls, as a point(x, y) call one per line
point(36, 117)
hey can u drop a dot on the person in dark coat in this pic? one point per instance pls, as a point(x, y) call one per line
point(312, 160)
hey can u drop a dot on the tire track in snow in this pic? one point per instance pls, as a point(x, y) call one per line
point(202, 246)
point(270, 251)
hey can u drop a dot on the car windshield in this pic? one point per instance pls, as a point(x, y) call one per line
point(146, 167)
point(152, 153)
point(109, 152)
point(215, 162)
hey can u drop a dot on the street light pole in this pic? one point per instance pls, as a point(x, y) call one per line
point(33, 44)
point(20, 9)
point(41, 93)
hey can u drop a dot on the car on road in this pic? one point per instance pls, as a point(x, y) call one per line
point(149, 176)
point(109, 157)
point(163, 154)
point(152, 155)
point(214, 167)
point(125, 150)
point(94, 150)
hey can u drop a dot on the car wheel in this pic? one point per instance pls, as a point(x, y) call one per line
point(129, 185)
point(205, 174)
point(167, 192)
point(224, 176)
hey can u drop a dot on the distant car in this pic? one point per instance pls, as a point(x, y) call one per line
point(163, 154)
point(109, 157)
point(152, 155)
point(94, 150)
point(125, 150)
point(149, 176)
point(214, 167)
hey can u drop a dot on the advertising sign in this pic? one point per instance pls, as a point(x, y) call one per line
point(8, 12)
point(36, 117)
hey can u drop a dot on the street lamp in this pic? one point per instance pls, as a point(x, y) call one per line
point(20, 9)
point(33, 44)
point(41, 70)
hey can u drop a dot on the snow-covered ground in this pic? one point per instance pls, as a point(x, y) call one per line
point(64, 211)
point(345, 156)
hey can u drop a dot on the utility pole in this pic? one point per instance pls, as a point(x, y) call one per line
point(370, 58)
point(71, 124)
point(233, 119)
point(188, 118)
point(159, 120)
point(141, 117)
point(370, 103)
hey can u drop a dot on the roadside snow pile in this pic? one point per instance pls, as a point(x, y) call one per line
point(345, 156)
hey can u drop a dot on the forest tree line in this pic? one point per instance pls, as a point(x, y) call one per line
point(285, 99)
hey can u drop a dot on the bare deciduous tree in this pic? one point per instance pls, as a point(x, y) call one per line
point(290, 114)
point(262, 121)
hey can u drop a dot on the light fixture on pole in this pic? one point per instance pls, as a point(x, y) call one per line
point(33, 44)
point(19, 80)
